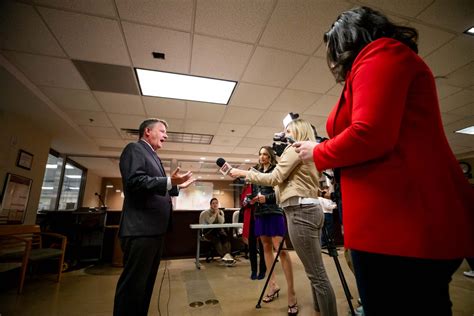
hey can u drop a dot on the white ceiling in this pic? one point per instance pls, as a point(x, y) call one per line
point(273, 49)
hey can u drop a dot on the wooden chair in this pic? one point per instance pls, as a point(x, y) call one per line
point(23, 244)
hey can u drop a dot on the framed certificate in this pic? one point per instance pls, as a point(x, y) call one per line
point(16, 193)
point(25, 160)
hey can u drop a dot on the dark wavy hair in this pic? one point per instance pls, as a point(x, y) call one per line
point(271, 153)
point(356, 28)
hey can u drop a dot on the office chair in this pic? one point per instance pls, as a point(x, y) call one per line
point(211, 253)
point(237, 234)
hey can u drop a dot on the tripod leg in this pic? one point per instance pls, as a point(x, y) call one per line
point(332, 252)
point(270, 273)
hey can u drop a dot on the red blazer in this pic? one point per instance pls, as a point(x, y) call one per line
point(403, 191)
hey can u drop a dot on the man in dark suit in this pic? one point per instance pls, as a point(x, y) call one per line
point(145, 217)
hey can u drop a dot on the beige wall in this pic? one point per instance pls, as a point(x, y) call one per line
point(17, 132)
point(226, 193)
point(93, 185)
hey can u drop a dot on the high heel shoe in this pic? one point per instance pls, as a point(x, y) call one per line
point(293, 310)
point(270, 297)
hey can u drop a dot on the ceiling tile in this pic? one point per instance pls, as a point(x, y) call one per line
point(72, 99)
point(314, 77)
point(246, 150)
point(239, 115)
point(299, 25)
point(451, 56)
point(143, 40)
point(111, 142)
point(126, 121)
point(262, 132)
point(201, 127)
point(430, 38)
point(450, 118)
point(445, 90)
point(462, 77)
point(273, 119)
point(226, 140)
point(101, 132)
point(205, 111)
point(335, 90)
point(457, 100)
point(241, 20)
point(255, 143)
point(48, 71)
point(200, 148)
point(294, 101)
point(86, 37)
point(174, 125)
point(405, 7)
point(273, 67)
point(161, 107)
point(454, 15)
point(103, 7)
point(254, 96)
point(89, 118)
point(221, 149)
point(323, 106)
point(218, 58)
point(229, 129)
point(31, 35)
point(465, 110)
point(315, 120)
point(120, 103)
point(165, 13)
point(108, 77)
point(172, 146)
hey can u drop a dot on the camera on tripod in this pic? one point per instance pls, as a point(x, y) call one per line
point(282, 141)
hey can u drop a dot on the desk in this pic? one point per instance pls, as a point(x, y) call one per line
point(199, 227)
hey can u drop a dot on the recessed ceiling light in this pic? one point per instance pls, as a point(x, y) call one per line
point(184, 87)
point(470, 31)
point(247, 160)
point(203, 158)
point(199, 177)
point(468, 130)
point(109, 186)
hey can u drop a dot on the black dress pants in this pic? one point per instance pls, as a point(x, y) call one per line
point(393, 285)
point(141, 259)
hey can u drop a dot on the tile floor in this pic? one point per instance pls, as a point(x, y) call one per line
point(90, 291)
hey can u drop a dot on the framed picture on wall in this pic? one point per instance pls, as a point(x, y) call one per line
point(25, 160)
point(15, 196)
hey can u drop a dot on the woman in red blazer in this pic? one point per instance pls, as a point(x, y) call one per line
point(387, 138)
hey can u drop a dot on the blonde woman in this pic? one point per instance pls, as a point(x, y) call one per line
point(296, 188)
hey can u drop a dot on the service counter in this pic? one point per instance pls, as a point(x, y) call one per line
point(93, 235)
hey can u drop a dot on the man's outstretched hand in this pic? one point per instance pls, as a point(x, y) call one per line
point(187, 183)
point(180, 178)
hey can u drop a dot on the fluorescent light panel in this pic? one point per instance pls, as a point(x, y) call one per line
point(470, 30)
point(184, 87)
point(468, 130)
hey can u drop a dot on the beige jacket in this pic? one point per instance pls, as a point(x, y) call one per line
point(291, 177)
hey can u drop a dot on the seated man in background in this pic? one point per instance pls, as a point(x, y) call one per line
point(219, 237)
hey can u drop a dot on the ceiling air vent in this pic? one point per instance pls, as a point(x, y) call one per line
point(174, 137)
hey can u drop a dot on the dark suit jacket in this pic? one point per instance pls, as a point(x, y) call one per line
point(147, 205)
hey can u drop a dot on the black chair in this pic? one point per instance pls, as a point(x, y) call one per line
point(211, 253)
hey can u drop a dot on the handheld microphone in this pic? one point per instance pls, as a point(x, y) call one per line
point(224, 166)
